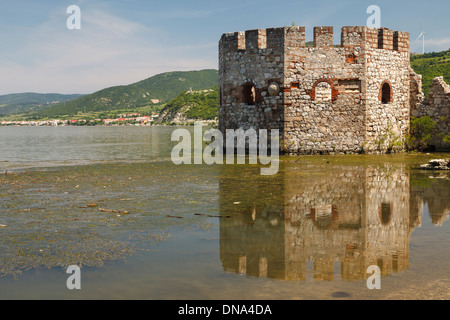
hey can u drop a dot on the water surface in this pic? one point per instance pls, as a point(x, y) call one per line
point(110, 200)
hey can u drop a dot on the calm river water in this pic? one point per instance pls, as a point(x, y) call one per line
point(109, 200)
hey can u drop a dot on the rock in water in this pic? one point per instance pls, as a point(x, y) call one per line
point(437, 164)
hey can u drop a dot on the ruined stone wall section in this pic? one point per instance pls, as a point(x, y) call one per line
point(416, 96)
point(436, 106)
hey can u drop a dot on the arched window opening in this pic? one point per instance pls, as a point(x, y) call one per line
point(250, 94)
point(386, 93)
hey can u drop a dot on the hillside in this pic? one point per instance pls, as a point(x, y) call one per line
point(150, 95)
point(431, 65)
point(188, 106)
point(24, 102)
point(156, 90)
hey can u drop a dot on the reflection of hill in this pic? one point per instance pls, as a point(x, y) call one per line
point(344, 218)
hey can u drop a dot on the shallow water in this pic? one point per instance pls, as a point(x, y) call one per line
point(110, 200)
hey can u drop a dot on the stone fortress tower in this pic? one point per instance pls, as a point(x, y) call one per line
point(324, 99)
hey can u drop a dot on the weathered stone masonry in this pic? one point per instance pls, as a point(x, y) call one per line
point(327, 98)
point(437, 107)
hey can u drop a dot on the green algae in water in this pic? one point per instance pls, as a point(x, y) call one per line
point(49, 223)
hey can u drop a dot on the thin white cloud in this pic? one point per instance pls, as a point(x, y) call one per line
point(439, 44)
point(107, 51)
point(188, 14)
point(436, 45)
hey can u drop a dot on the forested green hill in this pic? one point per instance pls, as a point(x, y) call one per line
point(198, 105)
point(156, 90)
point(430, 66)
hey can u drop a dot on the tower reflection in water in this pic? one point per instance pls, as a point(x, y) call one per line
point(330, 222)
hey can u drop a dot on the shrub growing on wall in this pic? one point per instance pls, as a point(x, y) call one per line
point(421, 133)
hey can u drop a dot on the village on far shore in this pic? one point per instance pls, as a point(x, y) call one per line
point(122, 119)
point(132, 119)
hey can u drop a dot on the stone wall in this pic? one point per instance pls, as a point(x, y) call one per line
point(437, 107)
point(324, 112)
point(387, 98)
point(324, 99)
point(249, 63)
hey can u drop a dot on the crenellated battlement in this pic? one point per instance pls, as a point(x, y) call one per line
point(323, 36)
point(282, 37)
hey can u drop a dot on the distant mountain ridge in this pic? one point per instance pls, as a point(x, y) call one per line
point(24, 102)
point(155, 90)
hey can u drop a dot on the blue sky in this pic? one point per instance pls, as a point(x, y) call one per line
point(121, 42)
